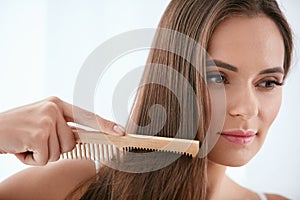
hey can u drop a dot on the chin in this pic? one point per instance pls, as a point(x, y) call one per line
point(230, 162)
point(237, 163)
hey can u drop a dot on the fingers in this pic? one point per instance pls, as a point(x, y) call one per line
point(89, 119)
point(47, 134)
point(34, 157)
point(65, 136)
point(54, 147)
point(61, 139)
point(38, 157)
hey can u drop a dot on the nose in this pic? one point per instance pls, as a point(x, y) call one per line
point(243, 103)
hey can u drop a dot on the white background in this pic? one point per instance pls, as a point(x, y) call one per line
point(43, 44)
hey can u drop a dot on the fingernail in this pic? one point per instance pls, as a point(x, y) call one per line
point(119, 129)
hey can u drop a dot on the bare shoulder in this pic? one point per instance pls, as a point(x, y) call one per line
point(275, 197)
point(236, 190)
point(53, 181)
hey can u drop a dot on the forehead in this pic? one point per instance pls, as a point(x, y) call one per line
point(248, 41)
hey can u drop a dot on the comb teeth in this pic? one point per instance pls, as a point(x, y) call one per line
point(96, 152)
point(99, 146)
point(132, 149)
point(106, 152)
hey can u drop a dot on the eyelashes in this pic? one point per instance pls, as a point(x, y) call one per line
point(216, 79)
point(269, 83)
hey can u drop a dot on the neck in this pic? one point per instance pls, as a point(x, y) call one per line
point(216, 176)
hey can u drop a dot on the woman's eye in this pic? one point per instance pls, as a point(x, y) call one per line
point(216, 78)
point(269, 84)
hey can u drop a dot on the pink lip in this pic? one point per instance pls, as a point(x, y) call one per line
point(239, 136)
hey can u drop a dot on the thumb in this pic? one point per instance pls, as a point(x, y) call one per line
point(91, 120)
point(110, 127)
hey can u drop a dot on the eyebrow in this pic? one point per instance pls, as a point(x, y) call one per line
point(221, 64)
point(224, 65)
point(272, 70)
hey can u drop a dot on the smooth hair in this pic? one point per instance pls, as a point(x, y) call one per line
point(184, 178)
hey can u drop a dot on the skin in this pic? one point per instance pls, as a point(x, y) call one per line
point(251, 44)
point(38, 133)
point(38, 139)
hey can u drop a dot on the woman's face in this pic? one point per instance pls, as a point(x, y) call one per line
point(249, 56)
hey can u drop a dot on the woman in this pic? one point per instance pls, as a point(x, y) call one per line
point(249, 44)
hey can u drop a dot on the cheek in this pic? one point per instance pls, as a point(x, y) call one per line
point(269, 107)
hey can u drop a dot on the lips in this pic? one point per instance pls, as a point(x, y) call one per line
point(240, 137)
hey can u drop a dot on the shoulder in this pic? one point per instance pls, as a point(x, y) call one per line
point(275, 197)
point(239, 191)
point(53, 181)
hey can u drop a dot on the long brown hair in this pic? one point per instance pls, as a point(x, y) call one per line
point(184, 178)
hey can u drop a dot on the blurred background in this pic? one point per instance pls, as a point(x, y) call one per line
point(43, 45)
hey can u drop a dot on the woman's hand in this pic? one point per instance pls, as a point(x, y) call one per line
point(38, 133)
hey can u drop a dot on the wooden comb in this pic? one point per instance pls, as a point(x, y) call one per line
point(100, 146)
